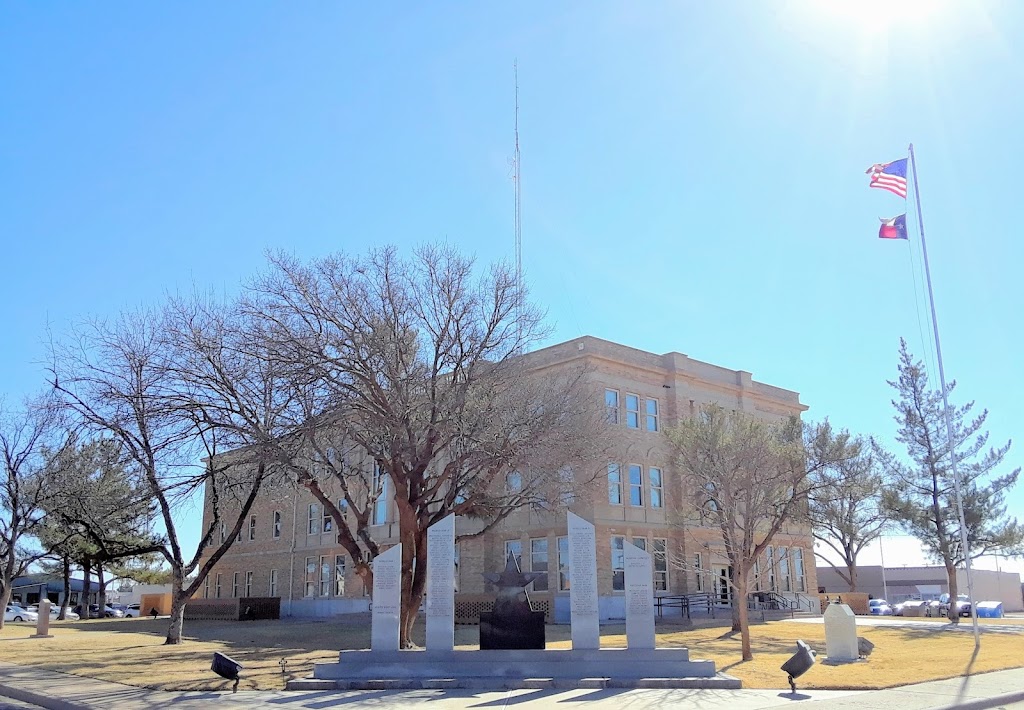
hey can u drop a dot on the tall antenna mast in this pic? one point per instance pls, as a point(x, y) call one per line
point(518, 219)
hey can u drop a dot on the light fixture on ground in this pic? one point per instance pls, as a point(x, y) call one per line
point(226, 668)
point(799, 663)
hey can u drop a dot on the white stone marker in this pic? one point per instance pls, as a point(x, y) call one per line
point(840, 633)
point(639, 597)
point(441, 585)
point(387, 600)
point(43, 623)
point(583, 608)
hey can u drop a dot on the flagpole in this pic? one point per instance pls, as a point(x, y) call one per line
point(949, 415)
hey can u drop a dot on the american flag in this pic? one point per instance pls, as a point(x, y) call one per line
point(890, 176)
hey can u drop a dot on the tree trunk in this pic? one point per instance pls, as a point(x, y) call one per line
point(5, 599)
point(951, 613)
point(748, 655)
point(101, 593)
point(414, 569)
point(177, 610)
point(853, 576)
point(66, 599)
point(83, 599)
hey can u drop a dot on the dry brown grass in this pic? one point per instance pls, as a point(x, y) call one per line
point(131, 651)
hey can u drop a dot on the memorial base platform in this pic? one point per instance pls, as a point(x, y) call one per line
point(533, 668)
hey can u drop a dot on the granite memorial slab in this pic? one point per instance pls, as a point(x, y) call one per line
point(387, 600)
point(639, 579)
point(441, 585)
point(583, 600)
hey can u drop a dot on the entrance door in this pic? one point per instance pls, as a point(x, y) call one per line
point(723, 592)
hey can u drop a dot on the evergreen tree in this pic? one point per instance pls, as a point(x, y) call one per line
point(923, 497)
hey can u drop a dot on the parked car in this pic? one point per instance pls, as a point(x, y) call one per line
point(879, 607)
point(16, 613)
point(95, 613)
point(910, 607)
point(940, 607)
point(54, 612)
point(131, 611)
point(108, 611)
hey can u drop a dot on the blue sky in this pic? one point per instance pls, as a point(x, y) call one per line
point(693, 173)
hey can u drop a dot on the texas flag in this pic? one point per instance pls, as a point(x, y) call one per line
point(893, 228)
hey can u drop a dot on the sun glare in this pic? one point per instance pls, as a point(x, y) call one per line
point(881, 15)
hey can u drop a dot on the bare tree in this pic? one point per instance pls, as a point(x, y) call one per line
point(923, 496)
point(846, 510)
point(753, 477)
point(413, 375)
point(123, 382)
point(28, 438)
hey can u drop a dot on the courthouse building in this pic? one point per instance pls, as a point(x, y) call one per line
point(288, 548)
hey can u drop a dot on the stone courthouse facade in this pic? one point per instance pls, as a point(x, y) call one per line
point(288, 548)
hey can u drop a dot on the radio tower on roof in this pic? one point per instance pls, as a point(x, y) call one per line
point(518, 218)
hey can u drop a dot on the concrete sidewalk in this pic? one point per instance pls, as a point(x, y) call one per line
point(58, 691)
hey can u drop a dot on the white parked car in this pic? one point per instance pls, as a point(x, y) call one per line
point(131, 611)
point(55, 612)
point(16, 613)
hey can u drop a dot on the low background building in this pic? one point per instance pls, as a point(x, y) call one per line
point(902, 583)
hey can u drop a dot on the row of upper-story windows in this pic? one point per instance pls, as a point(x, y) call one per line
point(636, 417)
point(631, 490)
point(317, 521)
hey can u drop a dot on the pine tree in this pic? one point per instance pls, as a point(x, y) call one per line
point(923, 497)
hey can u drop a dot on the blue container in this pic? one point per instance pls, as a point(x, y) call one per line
point(990, 610)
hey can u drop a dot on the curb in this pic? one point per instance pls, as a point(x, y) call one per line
point(990, 702)
point(45, 701)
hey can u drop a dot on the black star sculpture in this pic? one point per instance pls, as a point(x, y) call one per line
point(511, 599)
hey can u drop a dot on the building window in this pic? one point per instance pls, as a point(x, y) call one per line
point(252, 527)
point(640, 542)
point(380, 504)
point(248, 584)
point(539, 562)
point(618, 563)
point(611, 405)
point(206, 587)
point(310, 590)
point(769, 561)
point(660, 560)
point(326, 576)
point(798, 568)
point(636, 490)
point(328, 523)
point(784, 570)
point(515, 547)
point(235, 584)
point(657, 488)
point(313, 519)
point(633, 411)
point(216, 587)
point(273, 583)
point(698, 566)
point(614, 484)
point(238, 535)
point(757, 575)
point(339, 576)
point(223, 532)
point(652, 414)
point(277, 523)
point(567, 481)
point(514, 482)
point(563, 564)
point(343, 509)
point(458, 561)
